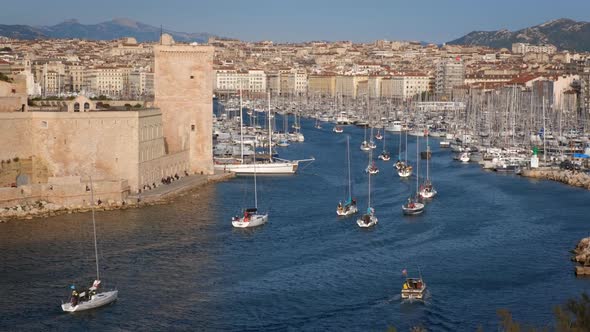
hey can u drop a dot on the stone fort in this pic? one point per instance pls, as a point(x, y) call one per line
point(49, 149)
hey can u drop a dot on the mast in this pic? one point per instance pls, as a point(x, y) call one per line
point(406, 147)
point(417, 163)
point(269, 130)
point(348, 160)
point(427, 156)
point(241, 128)
point(94, 228)
point(544, 134)
point(370, 157)
point(255, 190)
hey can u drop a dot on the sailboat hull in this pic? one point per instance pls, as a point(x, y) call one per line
point(363, 224)
point(347, 212)
point(268, 168)
point(98, 300)
point(255, 220)
point(417, 209)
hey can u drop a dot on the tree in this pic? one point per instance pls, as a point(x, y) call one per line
point(574, 316)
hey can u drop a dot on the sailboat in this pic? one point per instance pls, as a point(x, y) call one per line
point(272, 165)
point(427, 189)
point(349, 206)
point(379, 136)
point(405, 169)
point(92, 297)
point(365, 145)
point(414, 206)
point(318, 124)
point(251, 217)
point(385, 156)
point(368, 219)
point(371, 168)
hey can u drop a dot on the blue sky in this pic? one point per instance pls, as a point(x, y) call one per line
point(300, 20)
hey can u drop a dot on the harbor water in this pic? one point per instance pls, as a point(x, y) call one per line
point(488, 241)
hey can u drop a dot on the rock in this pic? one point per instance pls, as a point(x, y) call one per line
point(18, 208)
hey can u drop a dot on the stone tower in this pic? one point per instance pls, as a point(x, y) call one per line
point(183, 89)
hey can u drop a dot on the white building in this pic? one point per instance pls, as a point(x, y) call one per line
point(405, 86)
point(232, 80)
point(523, 48)
point(449, 73)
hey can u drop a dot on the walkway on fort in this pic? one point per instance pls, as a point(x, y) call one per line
point(183, 184)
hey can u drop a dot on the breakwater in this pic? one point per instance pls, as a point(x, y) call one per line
point(572, 178)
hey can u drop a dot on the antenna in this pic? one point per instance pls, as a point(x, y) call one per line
point(161, 33)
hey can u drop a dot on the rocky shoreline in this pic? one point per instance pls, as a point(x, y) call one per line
point(43, 209)
point(572, 178)
point(582, 256)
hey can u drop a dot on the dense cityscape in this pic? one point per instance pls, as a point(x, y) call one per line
point(317, 185)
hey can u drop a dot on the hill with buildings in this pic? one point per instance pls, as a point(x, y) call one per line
point(564, 33)
point(114, 29)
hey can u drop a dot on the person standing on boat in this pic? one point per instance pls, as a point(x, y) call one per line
point(74, 298)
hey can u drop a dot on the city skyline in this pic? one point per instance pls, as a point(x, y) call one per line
point(430, 21)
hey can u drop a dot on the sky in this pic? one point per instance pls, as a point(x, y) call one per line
point(304, 20)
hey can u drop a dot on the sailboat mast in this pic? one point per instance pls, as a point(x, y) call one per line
point(348, 161)
point(417, 163)
point(370, 157)
point(241, 128)
point(94, 228)
point(269, 130)
point(255, 189)
point(544, 134)
point(427, 156)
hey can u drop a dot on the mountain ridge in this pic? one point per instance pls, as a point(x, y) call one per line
point(564, 33)
point(108, 30)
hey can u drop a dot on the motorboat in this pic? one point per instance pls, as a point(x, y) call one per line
point(413, 289)
point(338, 129)
point(464, 157)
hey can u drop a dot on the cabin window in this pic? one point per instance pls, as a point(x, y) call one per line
point(192, 127)
point(192, 77)
point(44, 124)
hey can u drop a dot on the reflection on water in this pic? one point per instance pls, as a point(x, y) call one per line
point(487, 241)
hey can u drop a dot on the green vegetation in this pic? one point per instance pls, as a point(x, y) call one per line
point(101, 97)
point(138, 105)
point(5, 78)
point(6, 49)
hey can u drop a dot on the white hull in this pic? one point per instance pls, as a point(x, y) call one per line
point(261, 168)
point(404, 173)
point(428, 194)
point(396, 128)
point(361, 223)
point(255, 220)
point(96, 301)
point(417, 209)
point(464, 158)
point(351, 210)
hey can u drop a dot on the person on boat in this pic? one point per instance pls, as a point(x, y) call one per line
point(75, 294)
point(246, 216)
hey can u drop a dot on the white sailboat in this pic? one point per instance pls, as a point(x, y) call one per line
point(385, 156)
point(251, 216)
point(270, 166)
point(427, 189)
point(349, 206)
point(414, 206)
point(92, 297)
point(405, 169)
point(368, 219)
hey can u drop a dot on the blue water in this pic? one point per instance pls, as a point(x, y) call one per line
point(487, 241)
